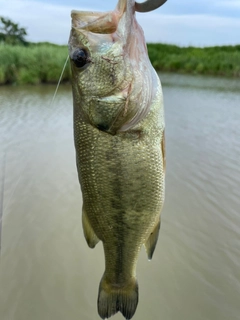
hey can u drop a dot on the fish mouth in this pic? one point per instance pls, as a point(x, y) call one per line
point(103, 22)
point(96, 22)
point(100, 22)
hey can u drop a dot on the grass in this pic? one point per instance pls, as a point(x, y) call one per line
point(43, 62)
point(219, 61)
point(34, 64)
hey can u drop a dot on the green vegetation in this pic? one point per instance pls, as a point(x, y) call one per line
point(22, 62)
point(34, 64)
point(43, 62)
point(11, 33)
point(218, 61)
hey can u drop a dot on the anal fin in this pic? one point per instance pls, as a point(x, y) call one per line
point(89, 234)
point(151, 242)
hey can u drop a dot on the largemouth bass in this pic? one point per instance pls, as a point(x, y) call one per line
point(119, 141)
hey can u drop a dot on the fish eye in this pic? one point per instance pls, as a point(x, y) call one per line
point(80, 58)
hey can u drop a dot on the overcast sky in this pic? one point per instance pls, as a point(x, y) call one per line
point(181, 22)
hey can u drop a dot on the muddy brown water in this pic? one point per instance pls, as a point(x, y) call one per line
point(47, 272)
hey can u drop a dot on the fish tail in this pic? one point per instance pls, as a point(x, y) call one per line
point(113, 298)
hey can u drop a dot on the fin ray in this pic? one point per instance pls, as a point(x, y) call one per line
point(89, 234)
point(113, 298)
point(151, 242)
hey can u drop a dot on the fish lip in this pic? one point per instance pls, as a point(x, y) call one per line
point(96, 21)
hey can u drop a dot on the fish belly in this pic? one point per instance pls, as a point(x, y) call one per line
point(122, 182)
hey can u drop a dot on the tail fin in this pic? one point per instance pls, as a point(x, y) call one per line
point(114, 298)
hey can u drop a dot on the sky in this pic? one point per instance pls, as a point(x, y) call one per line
point(180, 22)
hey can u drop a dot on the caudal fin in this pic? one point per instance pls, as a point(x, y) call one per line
point(114, 298)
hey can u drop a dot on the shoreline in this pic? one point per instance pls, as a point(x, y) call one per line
point(42, 63)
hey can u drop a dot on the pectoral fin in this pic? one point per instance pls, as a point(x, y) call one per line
point(89, 234)
point(151, 242)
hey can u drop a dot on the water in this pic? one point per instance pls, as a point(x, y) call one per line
point(48, 272)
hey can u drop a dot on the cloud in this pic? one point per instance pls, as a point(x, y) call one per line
point(198, 30)
point(232, 4)
point(44, 22)
point(51, 22)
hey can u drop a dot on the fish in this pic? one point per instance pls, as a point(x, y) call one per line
point(120, 145)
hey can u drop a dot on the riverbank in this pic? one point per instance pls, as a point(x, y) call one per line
point(33, 64)
point(216, 61)
point(43, 62)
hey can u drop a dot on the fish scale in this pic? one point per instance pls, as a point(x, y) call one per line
point(119, 141)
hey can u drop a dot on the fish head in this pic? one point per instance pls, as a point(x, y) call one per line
point(112, 76)
point(95, 49)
